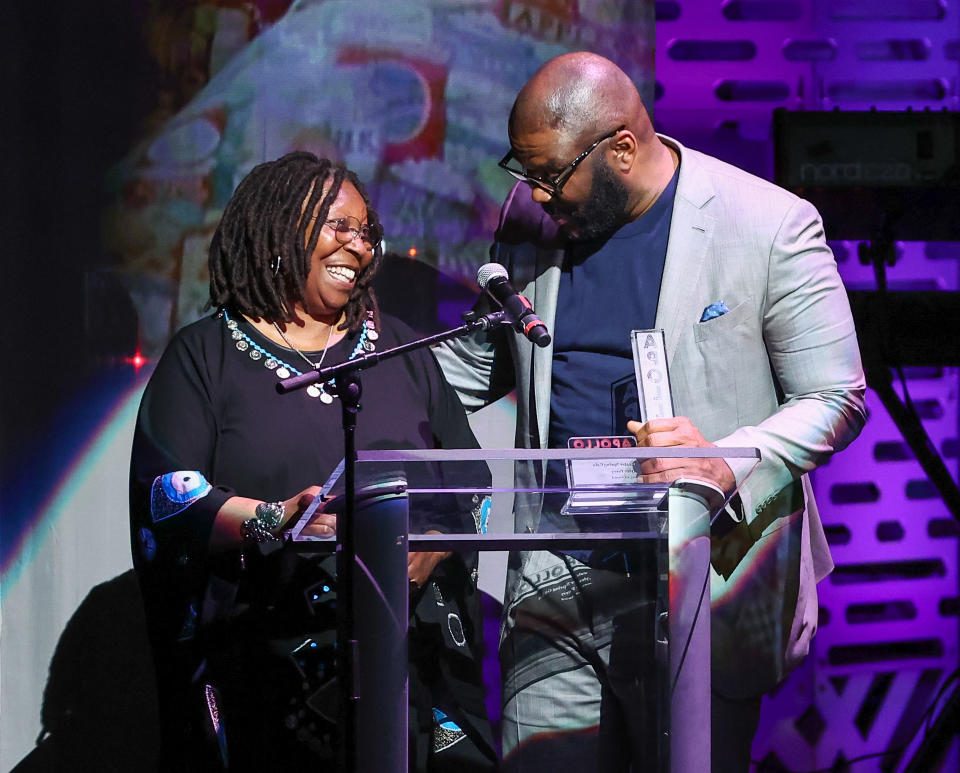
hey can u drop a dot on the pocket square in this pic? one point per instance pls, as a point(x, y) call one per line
point(713, 311)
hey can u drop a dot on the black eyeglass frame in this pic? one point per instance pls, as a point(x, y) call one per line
point(555, 186)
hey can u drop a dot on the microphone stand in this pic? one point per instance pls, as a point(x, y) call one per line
point(348, 387)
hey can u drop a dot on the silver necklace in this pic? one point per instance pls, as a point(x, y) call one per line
point(315, 365)
point(283, 370)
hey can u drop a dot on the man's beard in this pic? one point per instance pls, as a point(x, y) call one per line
point(603, 212)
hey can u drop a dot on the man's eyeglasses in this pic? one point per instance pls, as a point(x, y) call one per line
point(349, 228)
point(555, 186)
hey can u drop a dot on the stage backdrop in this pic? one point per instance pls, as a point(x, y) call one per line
point(147, 115)
point(413, 96)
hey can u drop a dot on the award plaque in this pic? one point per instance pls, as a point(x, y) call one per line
point(653, 379)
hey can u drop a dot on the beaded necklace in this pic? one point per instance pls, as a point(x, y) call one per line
point(245, 343)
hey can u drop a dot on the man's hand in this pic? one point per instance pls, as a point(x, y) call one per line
point(679, 431)
point(420, 565)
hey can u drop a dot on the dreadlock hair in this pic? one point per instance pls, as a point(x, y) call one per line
point(267, 217)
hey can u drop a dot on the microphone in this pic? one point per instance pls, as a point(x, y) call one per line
point(493, 278)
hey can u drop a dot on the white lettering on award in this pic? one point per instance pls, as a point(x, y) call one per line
point(653, 380)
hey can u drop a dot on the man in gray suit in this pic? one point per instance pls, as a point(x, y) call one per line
point(614, 228)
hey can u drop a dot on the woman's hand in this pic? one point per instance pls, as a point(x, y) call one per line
point(421, 565)
point(322, 524)
point(225, 534)
point(293, 508)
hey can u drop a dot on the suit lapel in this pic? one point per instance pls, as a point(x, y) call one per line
point(544, 300)
point(691, 231)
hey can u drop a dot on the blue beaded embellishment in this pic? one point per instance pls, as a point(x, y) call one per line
point(245, 343)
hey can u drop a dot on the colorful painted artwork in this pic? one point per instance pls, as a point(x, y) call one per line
point(414, 96)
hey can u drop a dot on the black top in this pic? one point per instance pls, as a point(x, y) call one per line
point(607, 289)
point(212, 409)
point(212, 425)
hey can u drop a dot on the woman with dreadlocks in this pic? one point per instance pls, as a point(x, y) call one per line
point(222, 462)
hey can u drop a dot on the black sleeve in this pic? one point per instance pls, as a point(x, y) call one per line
point(173, 502)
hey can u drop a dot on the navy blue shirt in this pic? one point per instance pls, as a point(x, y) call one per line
point(607, 289)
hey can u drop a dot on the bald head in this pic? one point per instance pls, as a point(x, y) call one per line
point(580, 95)
point(581, 116)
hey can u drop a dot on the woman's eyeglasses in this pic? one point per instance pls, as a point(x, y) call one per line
point(346, 229)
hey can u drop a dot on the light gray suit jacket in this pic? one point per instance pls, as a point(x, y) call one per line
point(780, 372)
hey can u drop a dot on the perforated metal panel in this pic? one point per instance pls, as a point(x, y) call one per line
point(889, 613)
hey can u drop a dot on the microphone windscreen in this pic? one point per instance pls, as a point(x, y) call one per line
point(490, 271)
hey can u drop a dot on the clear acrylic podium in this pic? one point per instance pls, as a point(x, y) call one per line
point(489, 500)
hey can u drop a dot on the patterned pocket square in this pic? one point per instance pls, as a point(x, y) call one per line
point(713, 311)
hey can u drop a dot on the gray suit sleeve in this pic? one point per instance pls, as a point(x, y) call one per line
point(474, 366)
point(480, 367)
point(812, 346)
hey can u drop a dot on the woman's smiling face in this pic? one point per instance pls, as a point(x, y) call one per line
point(335, 267)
